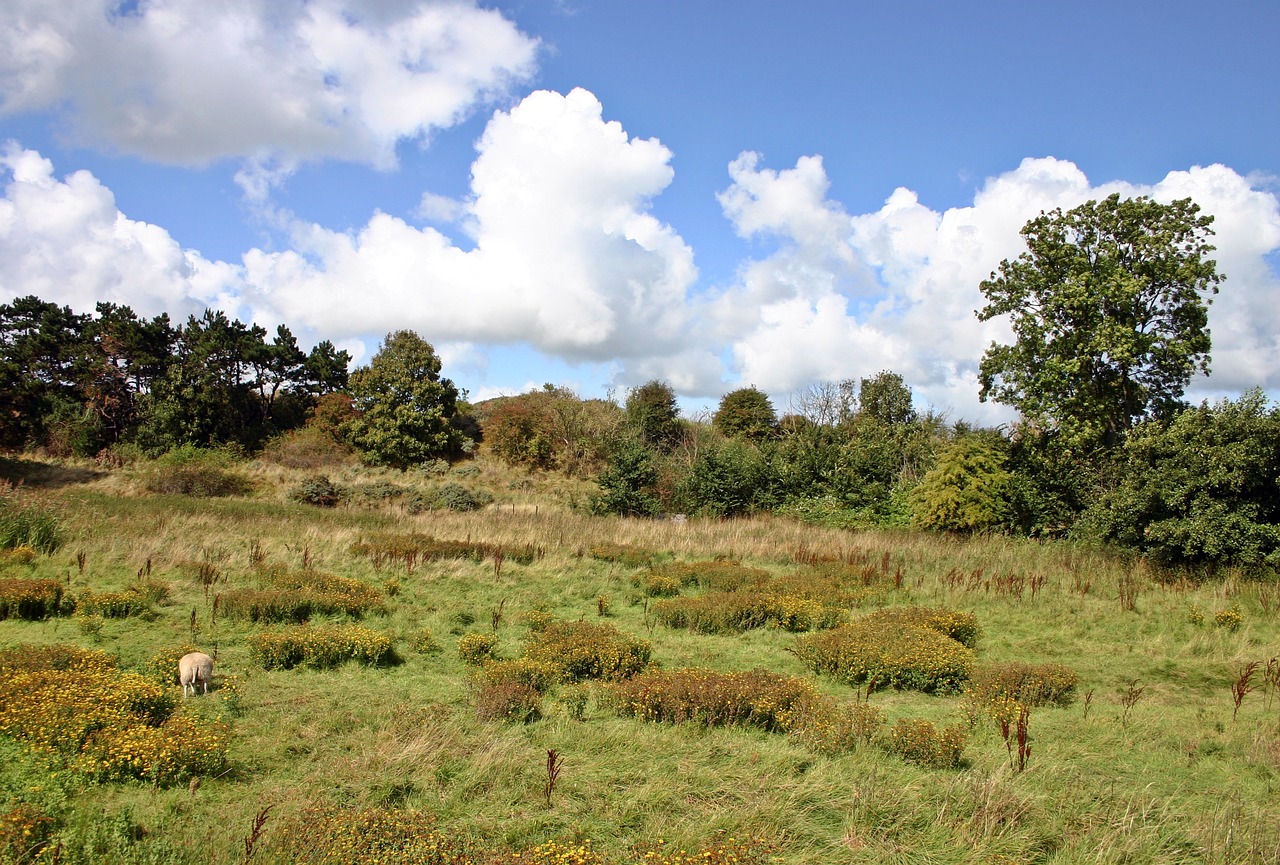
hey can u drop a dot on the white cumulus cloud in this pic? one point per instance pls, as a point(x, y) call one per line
point(191, 81)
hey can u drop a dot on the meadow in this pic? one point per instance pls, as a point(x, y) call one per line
point(527, 683)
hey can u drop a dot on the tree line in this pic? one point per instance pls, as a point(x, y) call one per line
point(1108, 306)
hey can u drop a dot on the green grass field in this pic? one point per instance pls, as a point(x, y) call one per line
point(1153, 761)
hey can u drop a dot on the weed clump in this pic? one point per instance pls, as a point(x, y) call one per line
point(1030, 685)
point(586, 650)
point(320, 647)
point(921, 742)
point(31, 600)
point(711, 698)
point(906, 657)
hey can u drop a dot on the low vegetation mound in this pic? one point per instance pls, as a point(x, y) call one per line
point(585, 650)
point(296, 596)
point(32, 600)
point(733, 612)
point(321, 647)
point(715, 699)
point(412, 549)
point(905, 657)
point(1029, 685)
point(961, 627)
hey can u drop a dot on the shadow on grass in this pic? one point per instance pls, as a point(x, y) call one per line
point(33, 473)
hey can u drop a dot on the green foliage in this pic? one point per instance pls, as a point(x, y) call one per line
point(1200, 489)
point(886, 398)
point(403, 406)
point(828, 726)
point(652, 413)
point(627, 484)
point(478, 648)
point(745, 413)
point(521, 430)
point(728, 479)
point(961, 627)
point(711, 697)
point(297, 596)
point(310, 447)
point(906, 657)
point(585, 650)
point(1107, 315)
point(322, 646)
point(194, 471)
point(454, 497)
point(732, 612)
point(965, 491)
point(25, 522)
point(316, 490)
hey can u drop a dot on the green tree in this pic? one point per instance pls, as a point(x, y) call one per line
point(1108, 316)
point(652, 412)
point(886, 398)
point(745, 413)
point(966, 491)
point(729, 479)
point(1200, 489)
point(403, 406)
point(627, 482)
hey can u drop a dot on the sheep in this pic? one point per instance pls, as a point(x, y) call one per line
point(195, 667)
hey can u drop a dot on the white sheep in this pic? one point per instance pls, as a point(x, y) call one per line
point(195, 667)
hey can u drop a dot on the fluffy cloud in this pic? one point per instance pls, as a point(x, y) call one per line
point(816, 314)
point(65, 241)
point(189, 82)
point(565, 257)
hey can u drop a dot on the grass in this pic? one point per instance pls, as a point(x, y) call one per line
point(1173, 779)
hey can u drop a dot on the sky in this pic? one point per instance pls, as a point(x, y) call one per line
point(594, 194)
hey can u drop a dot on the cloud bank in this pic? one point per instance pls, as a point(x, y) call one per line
point(272, 81)
point(564, 255)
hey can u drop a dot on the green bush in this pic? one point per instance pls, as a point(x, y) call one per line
point(316, 490)
point(30, 599)
point(321, 647)
point(921, 742)
point(585, 650)
point(961, 627)
point(306, 448)
point(478, 648)
point(193, 471)
point(456, 497)
point(731, 612)
point(112, 605)
point(1029, 685)
point(710, 697)
point(829, 727)
point(905, 657)
point(297, 596)
point(967, 490)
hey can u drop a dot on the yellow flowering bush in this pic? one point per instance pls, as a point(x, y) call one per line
point(542, 676)
point(371, 836)
point(1230, 618)
point(30, 599)
point(906, 657)
point(296, 597)
point(1031, 685)
point(586, 650)
point(921, 742)
point(716, 699)
point(477, 648)
point(112, 605)
point(827, 726)
point(320, 646)
point(107, 724)
point(719, 576)
point(732, 612)
point(961, 627)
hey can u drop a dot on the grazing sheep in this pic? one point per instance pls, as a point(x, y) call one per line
point(195, 667)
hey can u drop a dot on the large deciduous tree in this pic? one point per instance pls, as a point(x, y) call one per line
point(745, 413)
point(404, 408)
point(1109, 313)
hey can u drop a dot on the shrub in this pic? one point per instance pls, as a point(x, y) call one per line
point(829, 727)
point(508, 700)
point(478, 647)
point(30, 599)
point(25, 830)
point(622, 554)
point(163, 668)
point(538, 620)
point(718, 575)
point(961, 627)
point(306, 448)
point(321, 647)
point(542, 676)
point(297, 596)
point(28, 523)
point(316, 490)
point(966, 491)
point(106, 724)
point(710, 697)
point(921, 742)
point(456, 497)
point(659, 585)
point(193, 471)
point(1231, 619)
point(113, 605)
point(424, 642)
point(333, 836)
point(585, 650)
point(730, 612)
point(1030, 685)
point(903, 657)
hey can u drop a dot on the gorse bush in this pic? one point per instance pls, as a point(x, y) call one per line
point(30, 599)
point(922, 742)
point(542, 676)
point(904, 657)
point(1029, 685)
point(321, 647)
point(585, 650)
point(961, 627)
point(710, 697)
point(105, 724)
point(298, 595)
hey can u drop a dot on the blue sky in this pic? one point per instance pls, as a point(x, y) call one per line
point(599, 193)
